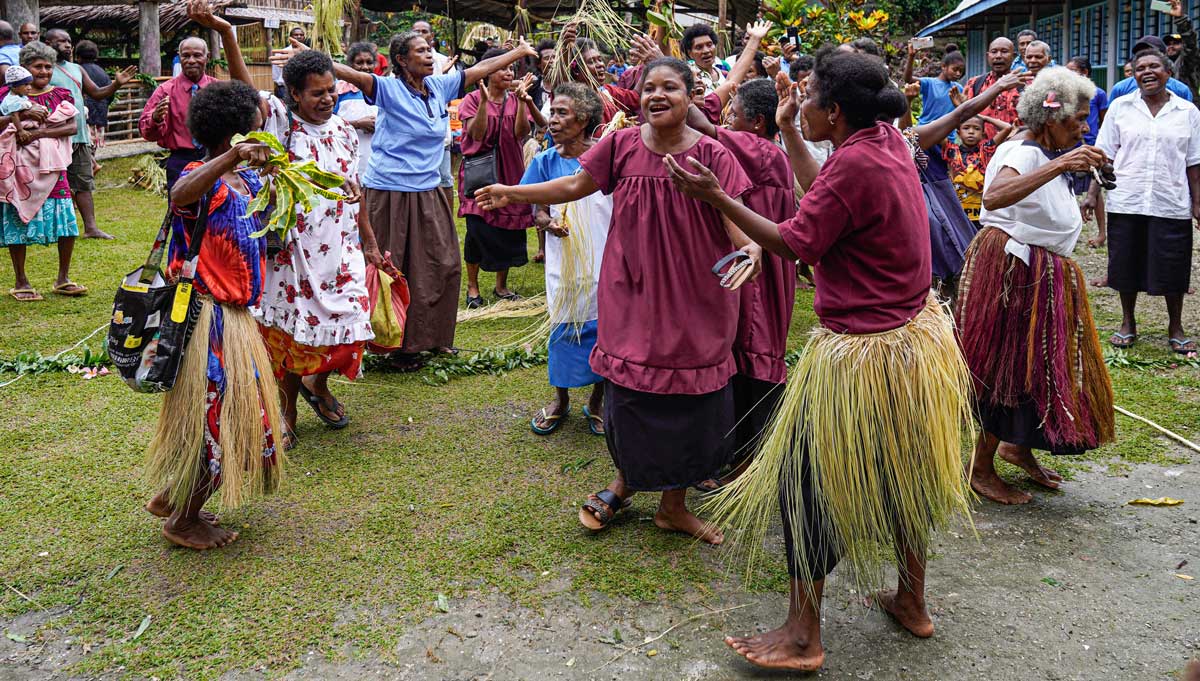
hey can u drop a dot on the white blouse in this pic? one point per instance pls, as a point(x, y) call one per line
point(1049, 217)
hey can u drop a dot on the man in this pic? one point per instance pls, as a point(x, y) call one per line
point(164, 118)
point(1037, 57)
point(1129, 84)
point(1023, 39)
point(29, 33)
point(1000, 59)
point(1183, 50)
point(441, 64)
point(700, 46)
point(9, 52)
point(72, 77)
point(297, 33)
point(935, 92)
point(545, 50)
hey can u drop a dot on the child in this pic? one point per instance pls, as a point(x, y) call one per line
point(48, 158)
point(19, 81)
point(968, 160)
point(666, 325)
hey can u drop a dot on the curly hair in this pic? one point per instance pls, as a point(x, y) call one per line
point(680, 67)
point(302, 65)
point(586, 104)
point(359, 48)
point(400, 46)
point(867, 46)
point(696, 31)
point(545, 44)
point(760, 99)
point(222, 110)
point(37, 51)
point(858, 83)
point(1070, 91)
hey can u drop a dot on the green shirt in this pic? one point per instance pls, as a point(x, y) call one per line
point(70, 76)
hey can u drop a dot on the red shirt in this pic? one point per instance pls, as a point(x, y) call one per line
point(381, 65)
point(864, 228)
point(665, 324)
point(1003, 108)
point(767, 301)
point(713, 109)
point(510, 163)
point(172, 132)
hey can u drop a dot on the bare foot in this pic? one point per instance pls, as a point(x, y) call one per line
point(688, 523)
point(97, 234)
point(197, 534)
point(159, 507)
point(1192, 673)
point(907, 612)
point(779, 649)
point(1025, 460)
point(992, 487)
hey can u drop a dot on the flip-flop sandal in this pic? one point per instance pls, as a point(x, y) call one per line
point(33, 295)
point(555, 420)
point(405, 363)
point(606, 506)
point(475, 302)
point(316, 403)
point(595, 421)
point(1122, 340)
point(511, 295)
point(710, 486)
point(1180, 345)
point(734, 269)
point(290, 440)
point(71, 290)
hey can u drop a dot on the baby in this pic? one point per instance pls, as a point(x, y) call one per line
point(16, 102)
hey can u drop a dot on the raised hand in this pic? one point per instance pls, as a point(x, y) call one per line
point(912, 90)
point(281, 56)
point(648, 49)
point(569, 33)
point(521, 88)
point(201, 12)
point(758, 30)
point(957, 96)
point(524, 48)
point(1013, 79)
point(771, 65)
point(160, 110)
point(450, 64)
point(1176, 8)
point(125, 75)
point(789, 51)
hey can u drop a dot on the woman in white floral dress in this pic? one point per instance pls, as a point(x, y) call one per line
point(314, 313)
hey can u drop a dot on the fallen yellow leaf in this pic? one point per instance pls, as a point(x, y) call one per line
point(651, 653)
point(1187, 577)
point(1161, 501)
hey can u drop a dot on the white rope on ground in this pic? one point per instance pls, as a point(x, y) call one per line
point(1174, 436)
point(81, 342)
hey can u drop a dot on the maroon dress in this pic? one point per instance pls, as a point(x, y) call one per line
point(666, 326)
point(768, 300)
point(495, 239)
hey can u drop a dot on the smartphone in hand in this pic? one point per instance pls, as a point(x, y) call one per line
point(921, 43)
point(1160, 6)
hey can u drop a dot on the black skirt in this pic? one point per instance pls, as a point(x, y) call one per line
point(754, 404)
point(664, 442)
point(493, 248)
point(1149, 255)
point(1020, 425)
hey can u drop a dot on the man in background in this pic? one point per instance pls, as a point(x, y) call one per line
point(9, 50)
point(29, 33)
point(164, 118)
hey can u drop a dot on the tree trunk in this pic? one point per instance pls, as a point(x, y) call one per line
point(150, 42)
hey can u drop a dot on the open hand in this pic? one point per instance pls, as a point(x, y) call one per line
point(758, 30)
point(790, 100)
point(524, 49)
point(521, 88)
point(125, 75)
point(556, 228)
point(201, 12)
point(281, 56)
point(492, 197)
point(1176, 8)
point(702, 185)
point(771, 66)
point(957, 96)
point(450, 64)
point(648, 50)
point(1014, 79)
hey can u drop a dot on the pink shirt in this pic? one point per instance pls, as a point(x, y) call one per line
point(864, 228)
point(172, 133)
point(768, 300)
point(510, 165)
point(665, 324)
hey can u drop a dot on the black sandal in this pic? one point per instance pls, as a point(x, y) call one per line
point(511, 295)
point(603, 512)
point(475, 302)
point(316, 403)
point(405, 362)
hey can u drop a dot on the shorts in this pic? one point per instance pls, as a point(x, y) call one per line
point(447, 176)
point(493, 248)
point(79, 173)
point(1150, 255)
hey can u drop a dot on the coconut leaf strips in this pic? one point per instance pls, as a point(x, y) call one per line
point(296, 185)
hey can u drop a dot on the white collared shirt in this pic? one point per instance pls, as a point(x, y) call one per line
point(1151, 155)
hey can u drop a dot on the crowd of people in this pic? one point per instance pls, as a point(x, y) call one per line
point(677, 203)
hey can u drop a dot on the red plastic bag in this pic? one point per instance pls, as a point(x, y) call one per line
point(387, 290)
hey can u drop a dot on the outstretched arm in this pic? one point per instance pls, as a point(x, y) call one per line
point(754, 35)
point(698, 121)
point(201, 12)
point(488, 66)
point(560, 190)
point(363, 81)
point(908, 64)
point(933, 132)
point(791, 95)
point(192, 186)
point(120, 78)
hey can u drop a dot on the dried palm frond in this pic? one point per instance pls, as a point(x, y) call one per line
point(147, 174)
point(483, 32)
point(327, 25)
point(596, 20)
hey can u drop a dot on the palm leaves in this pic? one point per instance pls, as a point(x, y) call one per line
point(295, 184)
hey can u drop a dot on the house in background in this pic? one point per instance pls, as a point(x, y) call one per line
point(1102, 31)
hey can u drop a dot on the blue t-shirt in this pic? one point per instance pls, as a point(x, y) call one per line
point(1129, 85)
point(549, 165)
point(1099, 104)
point(410, 132)
point(935, 99)
point(346, 96)
point(10, 55)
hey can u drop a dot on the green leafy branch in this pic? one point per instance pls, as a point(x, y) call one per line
point(293, 183)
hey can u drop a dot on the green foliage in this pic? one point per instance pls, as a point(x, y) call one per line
point(831, 21)
point(294, 184)
point(36, 363)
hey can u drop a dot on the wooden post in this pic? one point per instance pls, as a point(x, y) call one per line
point(150, 43)
point(453, 26)
point(18, 12)
point(722, 31)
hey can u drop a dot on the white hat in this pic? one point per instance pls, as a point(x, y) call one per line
point(16, 74)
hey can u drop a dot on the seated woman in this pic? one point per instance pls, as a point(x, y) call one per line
point(218, 424)
point(1024, 322)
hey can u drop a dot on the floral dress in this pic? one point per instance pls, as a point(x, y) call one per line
point(967, 166)
point(315, 312)
point(56, 219)
point(230, 269)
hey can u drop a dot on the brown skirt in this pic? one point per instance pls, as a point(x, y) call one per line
point(417, 229)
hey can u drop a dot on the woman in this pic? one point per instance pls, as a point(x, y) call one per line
point(1153, 137)
point(577, 233)
point(87, 52)
point(495, 240)
point(315, 313)
point(402, 178)
point(1025, 325)
point(863, 454)
point(37, 209)
point(217, 425)
point(767, 302)
point(666, 326)
point(587, 68)
point(353, 108)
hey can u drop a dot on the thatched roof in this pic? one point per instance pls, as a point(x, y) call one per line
point(172, 16)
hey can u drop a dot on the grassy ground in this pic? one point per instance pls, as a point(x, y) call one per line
point(432, 490)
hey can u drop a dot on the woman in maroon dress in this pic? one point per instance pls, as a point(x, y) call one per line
point(668, 360)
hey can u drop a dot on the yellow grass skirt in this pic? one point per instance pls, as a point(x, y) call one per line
point(185, 441)
point(883, 418)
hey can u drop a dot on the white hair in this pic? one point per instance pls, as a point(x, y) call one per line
point(1069, 90)
point(1038, 43)
point(193, 40)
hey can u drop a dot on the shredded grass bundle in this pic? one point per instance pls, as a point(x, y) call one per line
point(147, 174)
point(176, 453)
point(327, 25)
point(596, 20)
point(882, 417)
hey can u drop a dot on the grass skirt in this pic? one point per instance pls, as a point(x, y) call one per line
point(180, 453)
point(1028, 337)
point(882, 417)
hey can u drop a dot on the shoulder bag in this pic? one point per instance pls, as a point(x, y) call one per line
point(483, 169)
